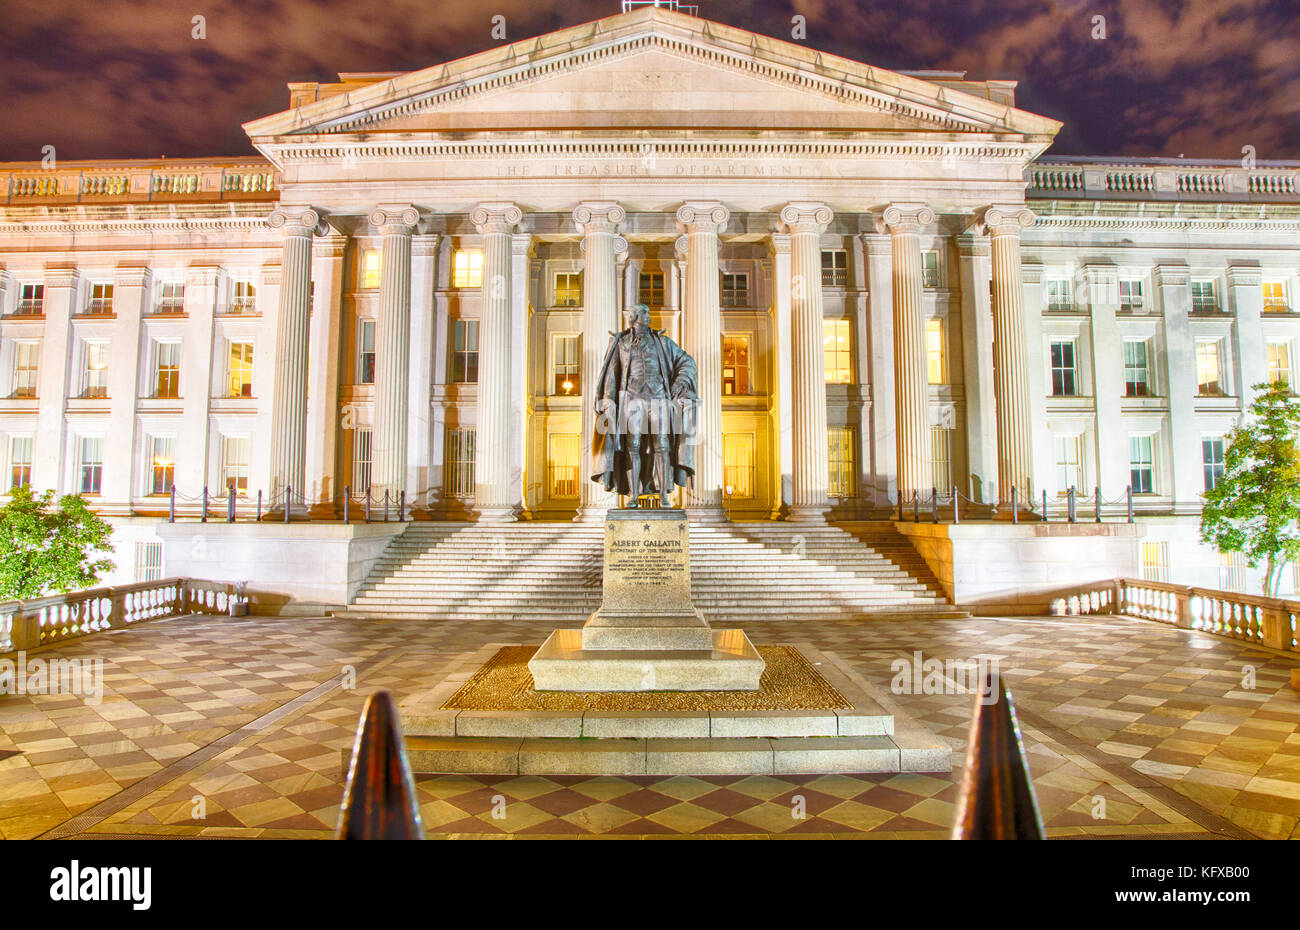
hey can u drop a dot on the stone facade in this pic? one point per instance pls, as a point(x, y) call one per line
point(886, 284)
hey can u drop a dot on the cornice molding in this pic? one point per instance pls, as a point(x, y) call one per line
point(1165, 223)
point(51, 226)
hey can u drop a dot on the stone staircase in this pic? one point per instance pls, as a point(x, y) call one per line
point(740, 573)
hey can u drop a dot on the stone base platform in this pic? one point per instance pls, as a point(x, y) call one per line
point(566, 663)
point(857, 729)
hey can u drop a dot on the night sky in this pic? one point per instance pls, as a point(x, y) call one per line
point(125, 78)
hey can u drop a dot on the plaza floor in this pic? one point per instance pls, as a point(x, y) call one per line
point(1132, 730)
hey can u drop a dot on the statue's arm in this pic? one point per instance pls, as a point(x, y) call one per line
point(684, 385)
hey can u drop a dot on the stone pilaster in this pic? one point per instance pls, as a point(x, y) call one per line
point(62, 284)
point(880, 323)
point(395, 223)
point(1011, 382)
point(323, 421)
point(977, 363)
point(289, 404)
point(911, 386)
point(1172, 284)
point(424, 268)
point(1097, 287)
point(1246, 301)
point(701, 222)
point(783, 402)
point(598, 222)
point(132, 293)
point(493, 497)
point(805, 223)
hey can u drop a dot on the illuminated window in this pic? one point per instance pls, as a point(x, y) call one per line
point(171, 297)
point(148, 560)
point(1275, 297)
point(735, 290)
point(20, 461)
point(167, 369)
point(365, 352)
point(464, 351)
point(1204, 299)
point(27, 357)
point(370, 264)
point(568, 366)
point(96, 373)
point(361, 457)
point(1208, 375)
point(1060, 296)
point(841, 472)
point(467, 268)
point(31, 300)
point(934, 354)
point(1069, 458)
point(1130, 295)
point(562, 454)
point(1232, 573)
point(244, 298)
point(1141, 464)
point(738, 465)
point(1211, 460)
point(941, 457)
point(1279, 362)
point(568, 290)
point(458, 468)
point(929, 269)
point(1155, 561)
point(162, 464)
point(101, 299)
point(240, 370)
point(1137, 370)
point(234, 462)
point(1064, 373)
point(836, 352)
point(650, 289)
point(835, 268)
point(90, 463)
point(735, 365)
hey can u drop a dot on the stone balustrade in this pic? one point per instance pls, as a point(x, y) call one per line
point(47, 620)
point(1065, 178)
point(140, 183)
point(1265, 621)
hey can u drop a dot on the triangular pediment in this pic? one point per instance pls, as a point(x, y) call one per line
point(652, 69)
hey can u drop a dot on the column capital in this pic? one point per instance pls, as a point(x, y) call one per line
point(901, 219)
point(1170, 275)
point(1007, 220)
point(61, 276)
point(806, 217)
point(132, 276)
point(598, 216)
point(703, 216)
point(425, 244)
point(521, 243)
point(295, 221)
point(1243, 275)
point(876, 243)
point(620, 246)
point(681, 245)
point(972, 245)
point(779, 243)
point(499, 217)
point(203, 275)
point(330, 245)
point(394, 219)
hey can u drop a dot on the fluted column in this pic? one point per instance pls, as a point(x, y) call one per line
point(911, 384)
point(805, 223)
point(1011, 377)
point(701, 222)
point(395, 224)
point(292, 324)
point(598, 222)
point(493, 497)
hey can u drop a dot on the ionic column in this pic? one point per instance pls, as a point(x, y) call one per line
point(701, 325)
point(911, 385)
point(292, 324)
point(598, 222)
point(1011, 379)
point(493, 497)
point(805, 223)
point(323, 421)
point(395, 223)
point(782, 497)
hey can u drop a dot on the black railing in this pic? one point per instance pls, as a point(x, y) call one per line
point(953, 506)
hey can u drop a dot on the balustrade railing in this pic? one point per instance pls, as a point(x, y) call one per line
point(1144, 180)
point(1252, 618)
point(163, 181)
point(44, 621)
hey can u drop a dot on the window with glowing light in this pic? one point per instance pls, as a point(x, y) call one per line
point(467, 268)
point(162, 464)
point(240, 370)
point(96, 374)
point(567, 365)
point(836, 352)
point(735, 365)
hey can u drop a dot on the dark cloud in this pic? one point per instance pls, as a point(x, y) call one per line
point(124, 78)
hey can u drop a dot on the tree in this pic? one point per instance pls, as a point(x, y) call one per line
point(1254, 508)
point(45, 550)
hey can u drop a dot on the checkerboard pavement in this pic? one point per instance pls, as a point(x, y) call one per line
point(233, 727)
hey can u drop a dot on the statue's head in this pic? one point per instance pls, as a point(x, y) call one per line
point(640, 317)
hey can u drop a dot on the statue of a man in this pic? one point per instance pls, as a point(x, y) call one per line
point(646, 391)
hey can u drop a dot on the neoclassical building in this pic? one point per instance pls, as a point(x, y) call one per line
point(886, 284)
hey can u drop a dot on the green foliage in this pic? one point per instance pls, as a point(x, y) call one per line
point(1255, 508)
point(44, 550)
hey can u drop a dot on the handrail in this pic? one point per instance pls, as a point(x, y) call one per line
point(54, 618)
point(1267, 621)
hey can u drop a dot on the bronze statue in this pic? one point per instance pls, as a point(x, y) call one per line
point(646, 389)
